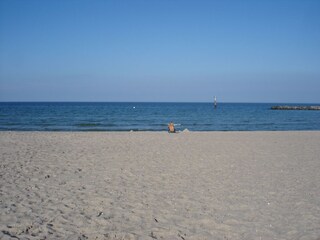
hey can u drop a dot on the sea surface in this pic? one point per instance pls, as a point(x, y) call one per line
point(81, 116)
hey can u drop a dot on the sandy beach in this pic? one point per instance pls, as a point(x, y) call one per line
point(155, 185)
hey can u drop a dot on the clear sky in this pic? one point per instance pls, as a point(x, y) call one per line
point(160, 50)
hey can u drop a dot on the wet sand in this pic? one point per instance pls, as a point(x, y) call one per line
point(155, 185)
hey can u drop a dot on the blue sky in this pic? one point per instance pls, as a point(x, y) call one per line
point(152, 50)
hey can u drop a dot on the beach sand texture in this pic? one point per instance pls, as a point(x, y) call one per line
point(155, 185)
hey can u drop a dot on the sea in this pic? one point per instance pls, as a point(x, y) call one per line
point(143, 116)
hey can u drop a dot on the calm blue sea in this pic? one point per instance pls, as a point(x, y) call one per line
point(49, 116)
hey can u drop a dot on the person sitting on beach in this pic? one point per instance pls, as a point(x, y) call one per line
point(171, 128)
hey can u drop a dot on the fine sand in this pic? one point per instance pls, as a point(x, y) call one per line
point(155, 185)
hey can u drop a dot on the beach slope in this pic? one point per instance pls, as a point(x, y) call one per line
point(155, 185)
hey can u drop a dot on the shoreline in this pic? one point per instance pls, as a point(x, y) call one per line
point(153, 185)
point(164, 131)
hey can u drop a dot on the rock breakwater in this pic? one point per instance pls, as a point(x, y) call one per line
point(295, 107)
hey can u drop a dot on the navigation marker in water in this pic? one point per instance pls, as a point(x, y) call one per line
point(215, 102)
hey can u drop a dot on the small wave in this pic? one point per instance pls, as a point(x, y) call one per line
point(94, 125)
point(11, 124)
point(88, 124)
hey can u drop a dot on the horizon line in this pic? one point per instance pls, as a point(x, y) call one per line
point(240, 102)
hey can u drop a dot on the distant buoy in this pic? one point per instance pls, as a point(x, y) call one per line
point(134, 107)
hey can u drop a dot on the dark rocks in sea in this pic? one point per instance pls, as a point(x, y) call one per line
point(295, 108)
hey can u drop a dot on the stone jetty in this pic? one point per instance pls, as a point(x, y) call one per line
point(295, 108)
